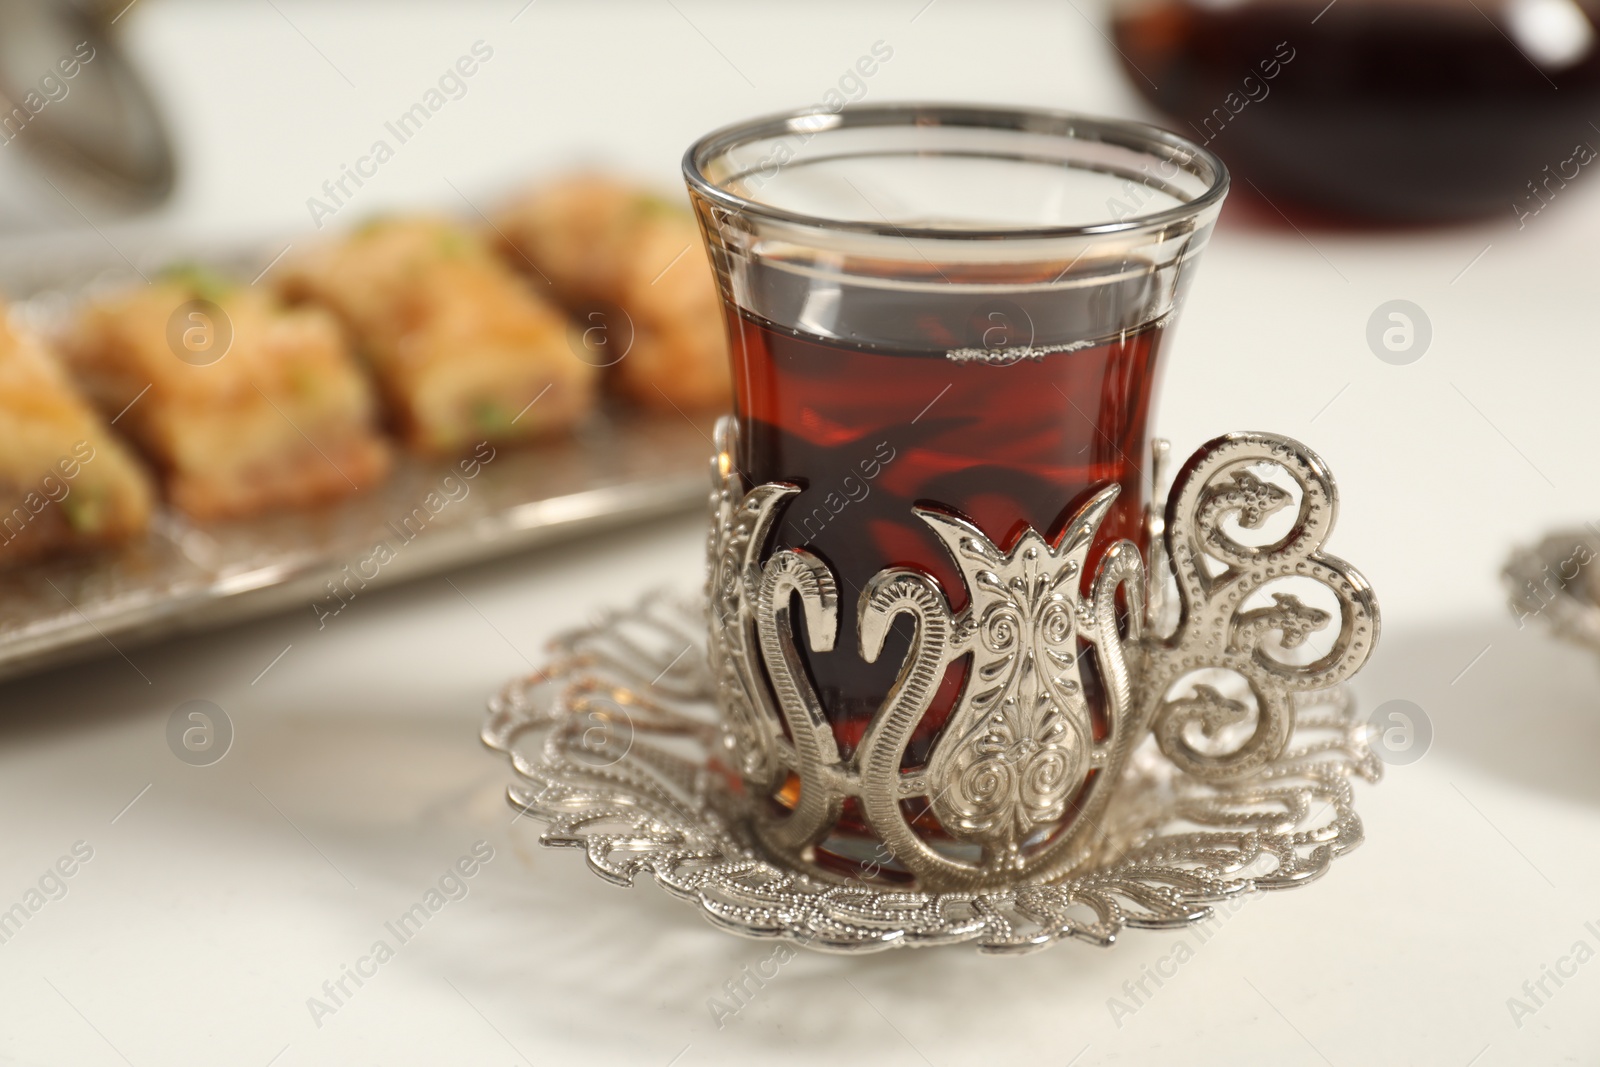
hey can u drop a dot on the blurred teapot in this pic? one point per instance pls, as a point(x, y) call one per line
point(1378, 111)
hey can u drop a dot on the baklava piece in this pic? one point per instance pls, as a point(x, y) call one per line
point(66, 484)
point(462, 350)
point(242, 403)
point(605, 246)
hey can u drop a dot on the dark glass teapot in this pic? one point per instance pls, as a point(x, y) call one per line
point(1379, 111)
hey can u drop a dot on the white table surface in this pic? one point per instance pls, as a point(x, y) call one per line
point(224, 897)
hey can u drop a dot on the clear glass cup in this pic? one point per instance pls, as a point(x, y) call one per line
point(941, 306)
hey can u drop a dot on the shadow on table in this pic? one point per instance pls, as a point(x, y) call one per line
point(1518, 703)
point(74, 696)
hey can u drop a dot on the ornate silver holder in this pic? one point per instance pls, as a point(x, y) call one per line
point(1221, 764)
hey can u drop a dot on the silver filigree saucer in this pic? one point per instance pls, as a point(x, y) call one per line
point(1555, 581)
point(614, 743)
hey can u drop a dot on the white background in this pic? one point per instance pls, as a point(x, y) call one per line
point(225, 896)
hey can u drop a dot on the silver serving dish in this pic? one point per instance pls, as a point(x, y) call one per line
point(622, 466)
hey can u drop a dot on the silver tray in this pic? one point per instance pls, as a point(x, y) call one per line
point(621, 466)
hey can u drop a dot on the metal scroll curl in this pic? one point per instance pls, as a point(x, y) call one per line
point(1218, 574)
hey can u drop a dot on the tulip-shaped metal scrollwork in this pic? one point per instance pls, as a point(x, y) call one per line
point(1019, 749)
point(1217, 576)
point(1018, 753)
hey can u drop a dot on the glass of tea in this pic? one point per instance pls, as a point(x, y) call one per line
point(936, 307)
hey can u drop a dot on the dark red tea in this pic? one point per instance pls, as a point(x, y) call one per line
point(1012, 432)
